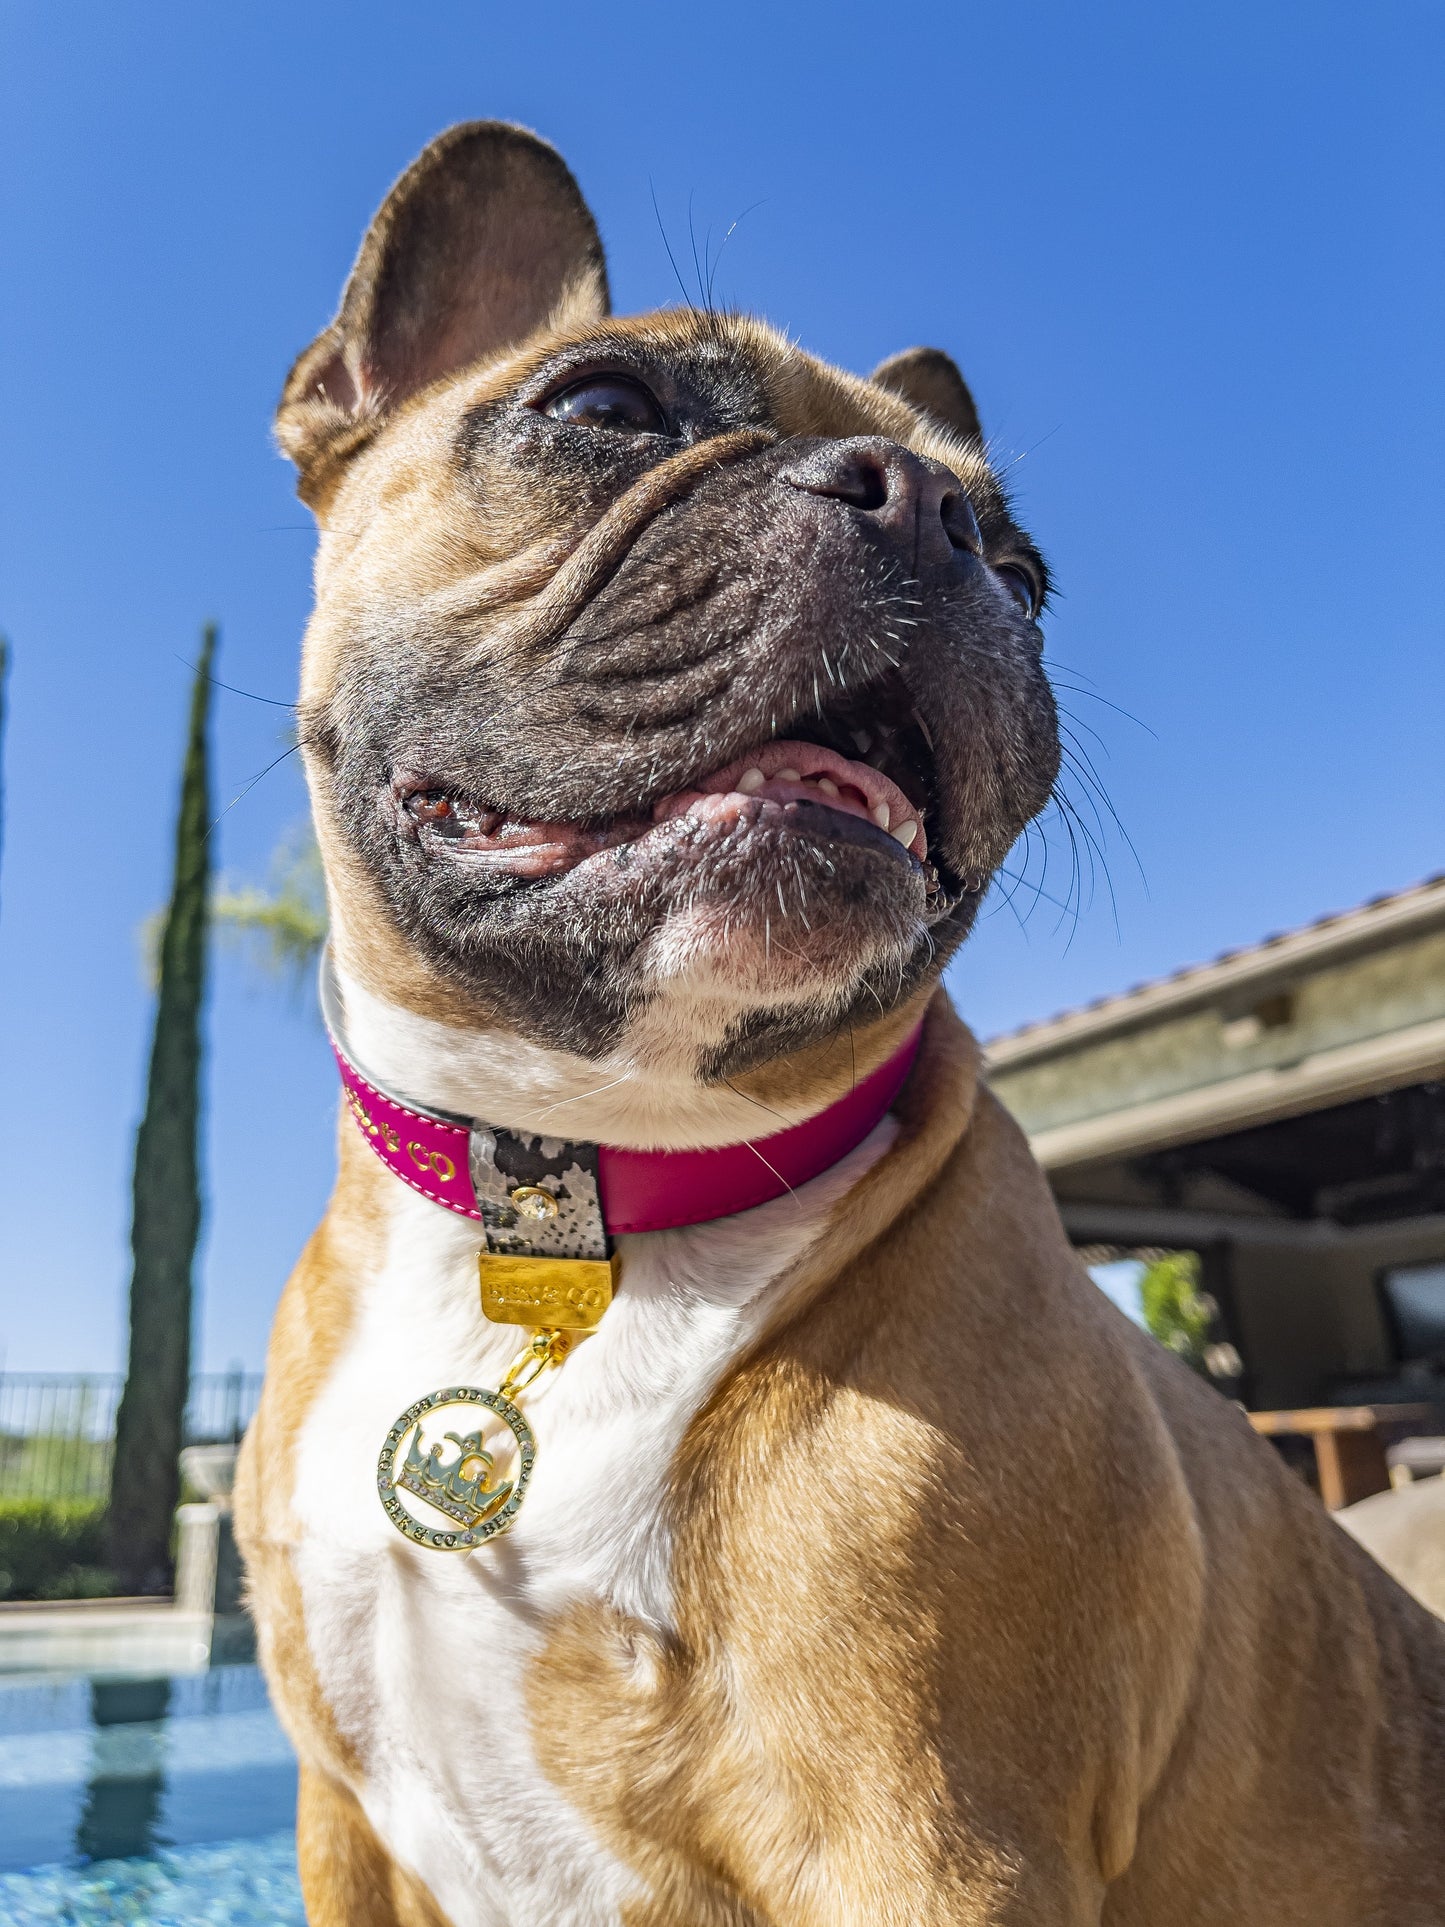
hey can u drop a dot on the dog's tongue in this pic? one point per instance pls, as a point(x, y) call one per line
point(789, 772)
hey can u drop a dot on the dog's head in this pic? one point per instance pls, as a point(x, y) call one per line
point(661, 677)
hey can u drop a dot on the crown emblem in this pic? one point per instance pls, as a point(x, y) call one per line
point(474, 1502)
point(463, 1489)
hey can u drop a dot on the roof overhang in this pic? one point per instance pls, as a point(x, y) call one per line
point(1351, 1008)
point(1259, 1097)
point(1380, 924)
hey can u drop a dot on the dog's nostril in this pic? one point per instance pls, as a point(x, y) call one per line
point(853, 475)
point(865, 486)
point(960, 524)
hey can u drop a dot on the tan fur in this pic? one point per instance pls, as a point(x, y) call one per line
point(1023, 1626)
point(1017, 1587)
point(486, 214)
point(311, 1326)
point(393, 538)
point(347, 1878)
point(985, 1610)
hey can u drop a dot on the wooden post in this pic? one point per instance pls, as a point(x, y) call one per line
point(1351, 1465)
point(1349, 1451)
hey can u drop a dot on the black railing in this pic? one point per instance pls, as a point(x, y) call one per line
point(57, 1432)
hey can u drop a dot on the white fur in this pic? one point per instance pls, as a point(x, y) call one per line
point(643, 1094)
point(423, 1656)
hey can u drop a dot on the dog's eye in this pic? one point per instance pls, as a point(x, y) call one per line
point(1021, 586)
point(608, 401)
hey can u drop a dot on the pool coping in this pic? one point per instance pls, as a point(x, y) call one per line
point(133, 1637)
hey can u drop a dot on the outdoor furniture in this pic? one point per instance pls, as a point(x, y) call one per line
point(1422, 1457)
point(1349, 1449)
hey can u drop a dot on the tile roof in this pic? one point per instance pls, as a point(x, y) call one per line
point(1377, 920)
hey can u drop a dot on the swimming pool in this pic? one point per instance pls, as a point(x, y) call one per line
point(158, 1801)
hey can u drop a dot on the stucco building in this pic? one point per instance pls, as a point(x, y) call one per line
point(1281, 1111)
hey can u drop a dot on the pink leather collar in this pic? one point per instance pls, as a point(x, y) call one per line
point(435, 1153)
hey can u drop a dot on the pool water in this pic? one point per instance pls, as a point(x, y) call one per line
point(152, 1801)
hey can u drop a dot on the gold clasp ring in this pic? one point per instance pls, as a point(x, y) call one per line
point(546, 1348)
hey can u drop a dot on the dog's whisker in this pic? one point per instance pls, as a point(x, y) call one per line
point(244, 792)
point(581, 1097)
point(273, 702)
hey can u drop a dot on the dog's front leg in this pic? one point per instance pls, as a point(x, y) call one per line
point(974, 1882)
point(347, 1877)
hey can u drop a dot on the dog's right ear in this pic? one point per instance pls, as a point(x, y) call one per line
point(483, 240)
point(929, 379)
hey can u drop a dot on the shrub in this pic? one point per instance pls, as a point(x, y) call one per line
point(1177, 1312)
point(53, 1549)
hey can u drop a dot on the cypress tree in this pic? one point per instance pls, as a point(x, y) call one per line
point(166, 1221)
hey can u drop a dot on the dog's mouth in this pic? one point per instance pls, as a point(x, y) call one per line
point(863, 775)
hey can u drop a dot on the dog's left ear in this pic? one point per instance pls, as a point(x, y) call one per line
point(927, 378)
point(485, 239)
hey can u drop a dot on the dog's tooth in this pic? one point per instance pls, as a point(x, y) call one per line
point(905, 833)
point(862, 739)
point(882, 815)
point(789, 775)
point(826, 785)
point(750, 780)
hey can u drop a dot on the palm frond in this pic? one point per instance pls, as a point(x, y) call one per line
point(282, 925)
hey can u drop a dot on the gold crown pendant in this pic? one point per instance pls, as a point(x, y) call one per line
point(476, 1497)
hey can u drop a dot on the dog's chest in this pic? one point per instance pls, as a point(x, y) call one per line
point(424, 1656)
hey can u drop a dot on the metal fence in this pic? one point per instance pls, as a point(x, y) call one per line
point(57, 1434)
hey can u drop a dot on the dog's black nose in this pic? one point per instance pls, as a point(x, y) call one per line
point(913, 498)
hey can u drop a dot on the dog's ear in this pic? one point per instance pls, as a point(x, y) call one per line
point(483, 240)
point(929, 379)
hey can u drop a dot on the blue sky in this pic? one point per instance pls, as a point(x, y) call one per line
point(1188, 258)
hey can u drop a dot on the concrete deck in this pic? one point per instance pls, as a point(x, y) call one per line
point(1405, 1531)
point(139, 1638)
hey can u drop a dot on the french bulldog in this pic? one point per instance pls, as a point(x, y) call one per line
point(670, 700)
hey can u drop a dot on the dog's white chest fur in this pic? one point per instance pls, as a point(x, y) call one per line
point(424, 1656)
